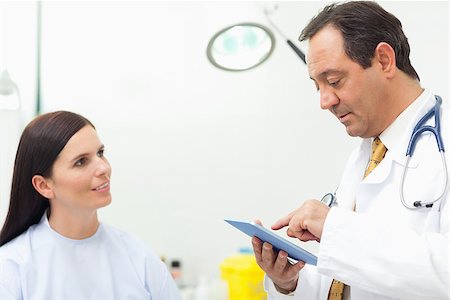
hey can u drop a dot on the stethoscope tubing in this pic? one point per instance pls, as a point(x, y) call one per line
point(418, 204)
point(330, 198)
point(421, 128)
point(417, 131)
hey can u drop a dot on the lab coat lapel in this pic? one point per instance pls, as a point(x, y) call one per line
point(397, 155)
point(392, 164)
point(355, 184)
point(353, 176)
point(397, 152)
point(381, 172)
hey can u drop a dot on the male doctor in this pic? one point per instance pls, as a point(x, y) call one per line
point(371, 245)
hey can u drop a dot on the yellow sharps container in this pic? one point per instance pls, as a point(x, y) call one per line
point(244, 276)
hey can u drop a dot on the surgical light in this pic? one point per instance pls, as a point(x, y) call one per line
point(240, 47)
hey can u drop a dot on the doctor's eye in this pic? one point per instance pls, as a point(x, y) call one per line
point(334, 83)
point(315, 85)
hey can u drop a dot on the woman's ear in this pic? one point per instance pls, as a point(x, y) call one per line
point(42, 186)
point(385, 56)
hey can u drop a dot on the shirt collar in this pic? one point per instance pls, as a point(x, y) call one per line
point(44, 220)
point(391, 135)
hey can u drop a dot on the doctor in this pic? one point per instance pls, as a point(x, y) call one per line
point(371, 245)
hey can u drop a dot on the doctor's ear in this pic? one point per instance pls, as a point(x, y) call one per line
point(385, 57)
point(42, 186)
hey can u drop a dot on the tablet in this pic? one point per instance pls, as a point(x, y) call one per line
point(278, 243)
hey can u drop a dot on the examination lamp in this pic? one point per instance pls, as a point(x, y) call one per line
point(268, 12)
point(244, 46)
point(240, 47)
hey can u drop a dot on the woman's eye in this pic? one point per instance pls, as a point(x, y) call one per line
point(80, 162)
point(100, 153)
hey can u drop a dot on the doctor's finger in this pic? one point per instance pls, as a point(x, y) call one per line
point(295, 268)
point(258, 221)
point(281, 262)
point(283, 222)
point(308, 236)
point(257, 248)
point(294, 233)
point(268, 255)
point(303, 235)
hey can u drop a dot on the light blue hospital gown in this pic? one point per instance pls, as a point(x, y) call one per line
point(42, 264)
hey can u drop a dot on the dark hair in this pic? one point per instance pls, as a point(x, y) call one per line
point(40, 144)
point(364, 24)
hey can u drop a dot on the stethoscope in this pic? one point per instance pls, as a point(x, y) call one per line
point(330, 198)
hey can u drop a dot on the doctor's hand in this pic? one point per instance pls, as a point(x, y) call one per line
point(306, 222)
point(283, 274)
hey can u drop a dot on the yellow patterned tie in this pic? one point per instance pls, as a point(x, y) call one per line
point(378, 152)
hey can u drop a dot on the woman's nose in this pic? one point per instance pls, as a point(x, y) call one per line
point(103, 167)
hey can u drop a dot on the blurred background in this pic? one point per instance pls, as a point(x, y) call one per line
point(189, 143)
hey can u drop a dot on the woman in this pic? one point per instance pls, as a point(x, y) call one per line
point(52, 245)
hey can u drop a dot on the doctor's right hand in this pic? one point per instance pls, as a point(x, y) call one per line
point(283, 274)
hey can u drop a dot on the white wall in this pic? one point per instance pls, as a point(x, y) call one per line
point(18, 56)
point(190, 144)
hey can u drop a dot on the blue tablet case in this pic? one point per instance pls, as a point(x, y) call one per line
point(278, 243)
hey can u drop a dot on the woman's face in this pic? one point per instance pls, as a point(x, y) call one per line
point(80, 177)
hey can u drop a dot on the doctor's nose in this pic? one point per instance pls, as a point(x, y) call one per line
point(328, 99)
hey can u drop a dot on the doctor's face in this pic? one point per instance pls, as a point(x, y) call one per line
point(80, 177)
point(353, 94)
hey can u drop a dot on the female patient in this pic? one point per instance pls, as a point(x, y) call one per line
point(52, 245)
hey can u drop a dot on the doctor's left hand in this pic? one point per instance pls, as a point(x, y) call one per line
point(306, 222)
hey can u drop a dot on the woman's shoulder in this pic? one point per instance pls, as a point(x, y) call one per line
point(19, 248)
point(117, 233)
point(127, 240)
point(134, 247)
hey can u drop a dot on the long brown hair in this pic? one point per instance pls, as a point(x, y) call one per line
point(40, 144)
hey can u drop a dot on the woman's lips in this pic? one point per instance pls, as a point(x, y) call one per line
point(102, 187)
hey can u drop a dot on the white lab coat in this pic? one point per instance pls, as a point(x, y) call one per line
point(383, 250)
